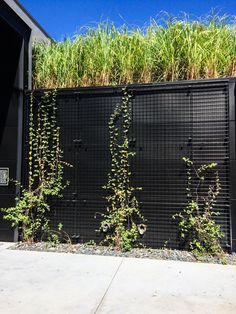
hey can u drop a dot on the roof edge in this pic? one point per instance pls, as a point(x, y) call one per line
point(32, 19)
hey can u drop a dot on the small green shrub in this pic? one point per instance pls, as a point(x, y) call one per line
point(196, 225)
point(118, 222)
point(52, 237)
point(90, 243)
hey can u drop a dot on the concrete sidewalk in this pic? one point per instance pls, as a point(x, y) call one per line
point(35, 282)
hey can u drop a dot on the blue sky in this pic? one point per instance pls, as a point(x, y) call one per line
point(62, 18)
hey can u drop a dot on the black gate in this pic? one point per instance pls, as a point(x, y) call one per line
point(169, 121)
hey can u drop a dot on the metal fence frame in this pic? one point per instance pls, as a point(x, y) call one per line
point(90, 93)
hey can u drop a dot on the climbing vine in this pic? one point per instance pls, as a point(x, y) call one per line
point(45, 170)
point(119, 221)
point(196, 225)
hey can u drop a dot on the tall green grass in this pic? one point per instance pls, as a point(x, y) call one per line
point(174, 49)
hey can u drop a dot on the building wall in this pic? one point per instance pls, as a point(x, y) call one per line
point(169, 121)
point(37, 34)
point(18, 31)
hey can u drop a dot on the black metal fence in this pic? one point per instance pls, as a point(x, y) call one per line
point(193, 119)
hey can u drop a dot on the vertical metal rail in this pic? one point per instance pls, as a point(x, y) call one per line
point(191, 126)
point(232, 172)
point(20, 103)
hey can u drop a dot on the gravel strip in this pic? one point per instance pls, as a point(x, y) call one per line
point(160, 254)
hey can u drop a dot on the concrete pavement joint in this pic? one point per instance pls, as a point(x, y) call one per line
point(99, 284)
point(105, 293)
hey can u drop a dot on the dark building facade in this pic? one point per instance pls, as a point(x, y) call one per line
point(18, 31)
point(170, 121)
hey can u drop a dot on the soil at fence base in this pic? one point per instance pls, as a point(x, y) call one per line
point(159, 254)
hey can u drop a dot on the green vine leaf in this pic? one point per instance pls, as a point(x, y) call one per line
point(196, 226)
point(45, 170)
point(119, 223)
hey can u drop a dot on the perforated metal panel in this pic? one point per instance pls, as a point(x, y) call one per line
point(168, 122)
point(85, 141)
point(169, 125)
